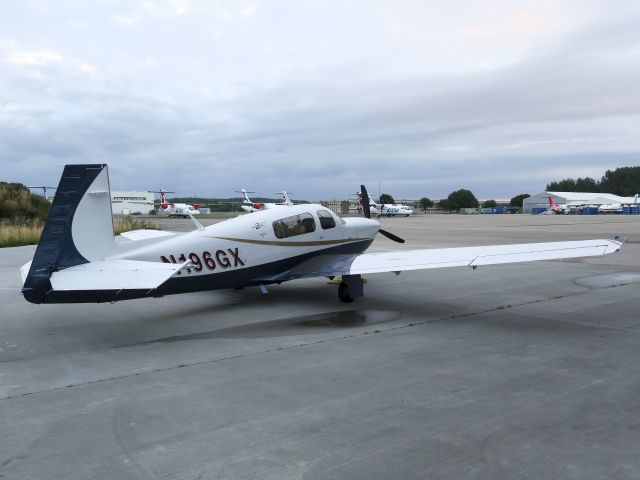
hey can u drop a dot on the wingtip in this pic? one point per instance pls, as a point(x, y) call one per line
point(620, 240)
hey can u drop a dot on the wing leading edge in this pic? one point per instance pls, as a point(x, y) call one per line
point(397, 261)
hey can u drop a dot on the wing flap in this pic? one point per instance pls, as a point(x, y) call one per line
point(115, 275)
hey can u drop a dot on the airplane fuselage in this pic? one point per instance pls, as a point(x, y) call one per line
point(245, 251)
point(180, 210)
point(396, 210)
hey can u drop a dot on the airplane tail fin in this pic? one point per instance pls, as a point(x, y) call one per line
point(79, 228)
point(286, 200)
point(245, 196)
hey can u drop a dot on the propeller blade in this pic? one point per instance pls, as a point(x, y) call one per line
point(391, 236)
point(364, 199)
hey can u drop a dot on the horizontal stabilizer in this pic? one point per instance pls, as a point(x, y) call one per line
point(144, 234)
point(114, 275)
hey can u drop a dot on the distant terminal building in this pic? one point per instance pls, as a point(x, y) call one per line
point(127, 203)
point(341, 207)
point(570, 199)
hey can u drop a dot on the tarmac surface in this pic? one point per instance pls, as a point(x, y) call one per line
point(515, 371)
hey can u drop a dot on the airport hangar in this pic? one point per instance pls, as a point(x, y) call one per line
point(126, 203)
point(541, 200)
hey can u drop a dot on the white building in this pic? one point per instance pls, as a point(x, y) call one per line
point(541, 200)
point(126, 203)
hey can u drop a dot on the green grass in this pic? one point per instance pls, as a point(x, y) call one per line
point(125, 224)
point(16, 233)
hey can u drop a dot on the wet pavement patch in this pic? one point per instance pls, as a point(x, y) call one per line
point(305, 325)
point(608, 280)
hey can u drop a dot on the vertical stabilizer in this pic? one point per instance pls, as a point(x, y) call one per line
point(79, 228)
point(245, 197)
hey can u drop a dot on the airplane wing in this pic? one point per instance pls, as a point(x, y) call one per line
point(397, 261)
point(115, 275)
point(144, 234)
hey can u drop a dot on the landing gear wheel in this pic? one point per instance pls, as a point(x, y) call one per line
point(343, 293)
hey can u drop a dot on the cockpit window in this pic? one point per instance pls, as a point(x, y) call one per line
point(326, 219)
point(294, 225)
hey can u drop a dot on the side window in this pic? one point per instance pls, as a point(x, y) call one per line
point(326, 220)
point(294, 225)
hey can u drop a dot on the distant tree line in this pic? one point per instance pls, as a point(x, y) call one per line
point(623, 181)
point(466, 199)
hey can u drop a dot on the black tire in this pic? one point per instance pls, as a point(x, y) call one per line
point(343, 293)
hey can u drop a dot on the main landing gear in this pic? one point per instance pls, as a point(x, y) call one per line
point(350, 288)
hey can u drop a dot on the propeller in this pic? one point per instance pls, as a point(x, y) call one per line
point(366, 209)
point(364, 201)
point(391, 236)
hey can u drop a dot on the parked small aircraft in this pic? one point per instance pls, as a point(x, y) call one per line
point(610, 208)
point(250, 206)
point(617, 207)
point(176, 209)
point(78, 260)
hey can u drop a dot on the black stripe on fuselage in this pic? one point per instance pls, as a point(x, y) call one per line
point(247, 276)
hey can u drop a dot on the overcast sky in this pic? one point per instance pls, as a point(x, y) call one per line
point(206, 97)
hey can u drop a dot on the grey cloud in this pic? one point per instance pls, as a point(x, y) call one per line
point(322, 134)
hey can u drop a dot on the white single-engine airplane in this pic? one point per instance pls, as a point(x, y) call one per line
point(78, 260)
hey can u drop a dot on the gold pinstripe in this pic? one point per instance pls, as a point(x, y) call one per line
point(293, 244)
